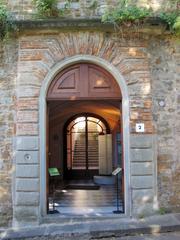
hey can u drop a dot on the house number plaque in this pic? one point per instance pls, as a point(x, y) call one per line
point(139, 127)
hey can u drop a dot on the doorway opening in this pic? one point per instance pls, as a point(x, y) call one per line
point(84, 141)
point(84, 136)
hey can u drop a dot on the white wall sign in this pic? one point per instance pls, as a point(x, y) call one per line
point(139, 127)
point(116, 171)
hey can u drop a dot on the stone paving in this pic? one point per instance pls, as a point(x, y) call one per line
point(163, 236)
point(168, 226)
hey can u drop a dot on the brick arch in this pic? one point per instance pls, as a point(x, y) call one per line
point(37, 58)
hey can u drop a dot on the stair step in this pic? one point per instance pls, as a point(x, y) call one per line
point(82, 161)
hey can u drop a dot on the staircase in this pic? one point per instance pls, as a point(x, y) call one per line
point(79, 155)
point(93, 160)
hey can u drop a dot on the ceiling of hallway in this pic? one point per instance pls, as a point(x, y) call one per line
point(61, 111)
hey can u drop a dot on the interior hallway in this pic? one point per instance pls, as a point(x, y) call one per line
point(87, 198)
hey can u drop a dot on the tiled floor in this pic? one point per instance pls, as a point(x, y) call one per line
point(103, 200)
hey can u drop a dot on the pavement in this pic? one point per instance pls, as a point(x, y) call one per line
point(97, 228)
point(163, 236)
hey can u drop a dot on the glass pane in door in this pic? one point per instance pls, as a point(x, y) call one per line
point(78, 145)
point(93, 161)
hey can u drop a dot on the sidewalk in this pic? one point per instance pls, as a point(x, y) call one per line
point(98, 227)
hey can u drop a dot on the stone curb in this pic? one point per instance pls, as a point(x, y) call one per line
point(98, 229)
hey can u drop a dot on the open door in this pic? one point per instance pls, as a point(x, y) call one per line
point(82, 149)
point(105, 154)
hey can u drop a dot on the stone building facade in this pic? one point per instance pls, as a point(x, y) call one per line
point(146, 65)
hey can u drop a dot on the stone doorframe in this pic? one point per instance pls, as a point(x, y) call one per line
point(125, 117)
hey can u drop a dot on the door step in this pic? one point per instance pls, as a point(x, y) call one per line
point(104, 180)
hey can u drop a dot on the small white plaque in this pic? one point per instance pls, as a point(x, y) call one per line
point(116, 171)
point(139, 127)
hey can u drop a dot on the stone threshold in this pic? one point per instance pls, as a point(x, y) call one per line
point(98, 228)
point(61, 218)
point(150, 25)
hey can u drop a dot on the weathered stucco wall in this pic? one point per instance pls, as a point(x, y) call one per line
point(8, 70)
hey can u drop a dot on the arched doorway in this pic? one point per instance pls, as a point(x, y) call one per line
point(89, 149)
point(84, 133)
point(102, 101)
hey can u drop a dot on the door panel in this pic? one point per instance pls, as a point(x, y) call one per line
point(82, 146)
point(78, 150)
point(93, 133)
point(105, 154)
point(83, 81)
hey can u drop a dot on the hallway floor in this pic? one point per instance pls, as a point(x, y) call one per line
point(102, 200)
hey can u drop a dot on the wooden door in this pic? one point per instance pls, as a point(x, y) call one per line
point(82, 147)
point(84, 81)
